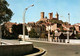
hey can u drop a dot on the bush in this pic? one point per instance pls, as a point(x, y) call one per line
point(33, 34)
point(43, 35)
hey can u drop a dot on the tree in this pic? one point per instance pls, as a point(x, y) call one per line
point(33, 33)
point(5, 33)
point(5, 12)
point(78, 36)
point(45, 16)
point(40, 22)
point(73, 29)
point(43, 35)
point(61, 28)
point(18, 29)
point(53, 35)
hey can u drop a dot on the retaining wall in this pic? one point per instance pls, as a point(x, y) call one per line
point(15, 50)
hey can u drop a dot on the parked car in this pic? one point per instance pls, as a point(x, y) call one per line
point(21, 37)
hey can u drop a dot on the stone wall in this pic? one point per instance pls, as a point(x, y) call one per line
point(0, 34)
point(15, 50)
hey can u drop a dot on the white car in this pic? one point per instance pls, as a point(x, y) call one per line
point(26, 37)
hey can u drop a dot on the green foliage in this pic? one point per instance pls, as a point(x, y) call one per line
point(56, 21)
point(6, 34)
point(5, 12)
point(73, 28)
point(43, 35)
point(40, 22)
point(45, 16)
point(78, 36)
point(53, 35)
point(16, 30)
point(33, 34)
point(61, 28)
point(65, 23)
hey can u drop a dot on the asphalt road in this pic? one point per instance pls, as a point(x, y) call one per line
point(58, 49)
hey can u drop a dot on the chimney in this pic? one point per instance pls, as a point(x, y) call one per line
point(42, 15)
point(50, 15)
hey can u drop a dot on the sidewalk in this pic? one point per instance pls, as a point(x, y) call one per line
point(55, 42)
point(18, 42)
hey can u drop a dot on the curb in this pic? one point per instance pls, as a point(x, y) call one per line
point(55, 42)
point(40, 53)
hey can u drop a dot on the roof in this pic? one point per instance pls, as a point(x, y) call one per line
point(77, 24)
point(10, 24)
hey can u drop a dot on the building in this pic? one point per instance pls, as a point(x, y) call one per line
point(62, 36)
point(52, 27)
point(77, 27)
point(43, 18)
point(9, 25)
point(39, 28)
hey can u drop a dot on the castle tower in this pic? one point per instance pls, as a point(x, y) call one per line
point(57, 16)
point(50, 15)
point(42, 15)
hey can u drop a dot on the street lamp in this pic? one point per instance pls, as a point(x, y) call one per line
point(49, 30)
point(24, 21)
point(48, 33)
point(68, 28)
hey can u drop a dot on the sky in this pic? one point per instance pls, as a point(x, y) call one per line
point(63, 7)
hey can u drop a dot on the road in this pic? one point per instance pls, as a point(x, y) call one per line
point(58, 49)
point(55, 49)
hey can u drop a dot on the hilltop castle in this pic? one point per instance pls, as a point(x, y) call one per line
point(50, 17)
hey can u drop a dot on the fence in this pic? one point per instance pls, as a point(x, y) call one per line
point(58, 40)
point(39, 39)
point(46, 39)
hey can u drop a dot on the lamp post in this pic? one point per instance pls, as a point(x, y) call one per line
point(68, 28)
point(49, 30)
point(24, 21)
point(48, 33)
